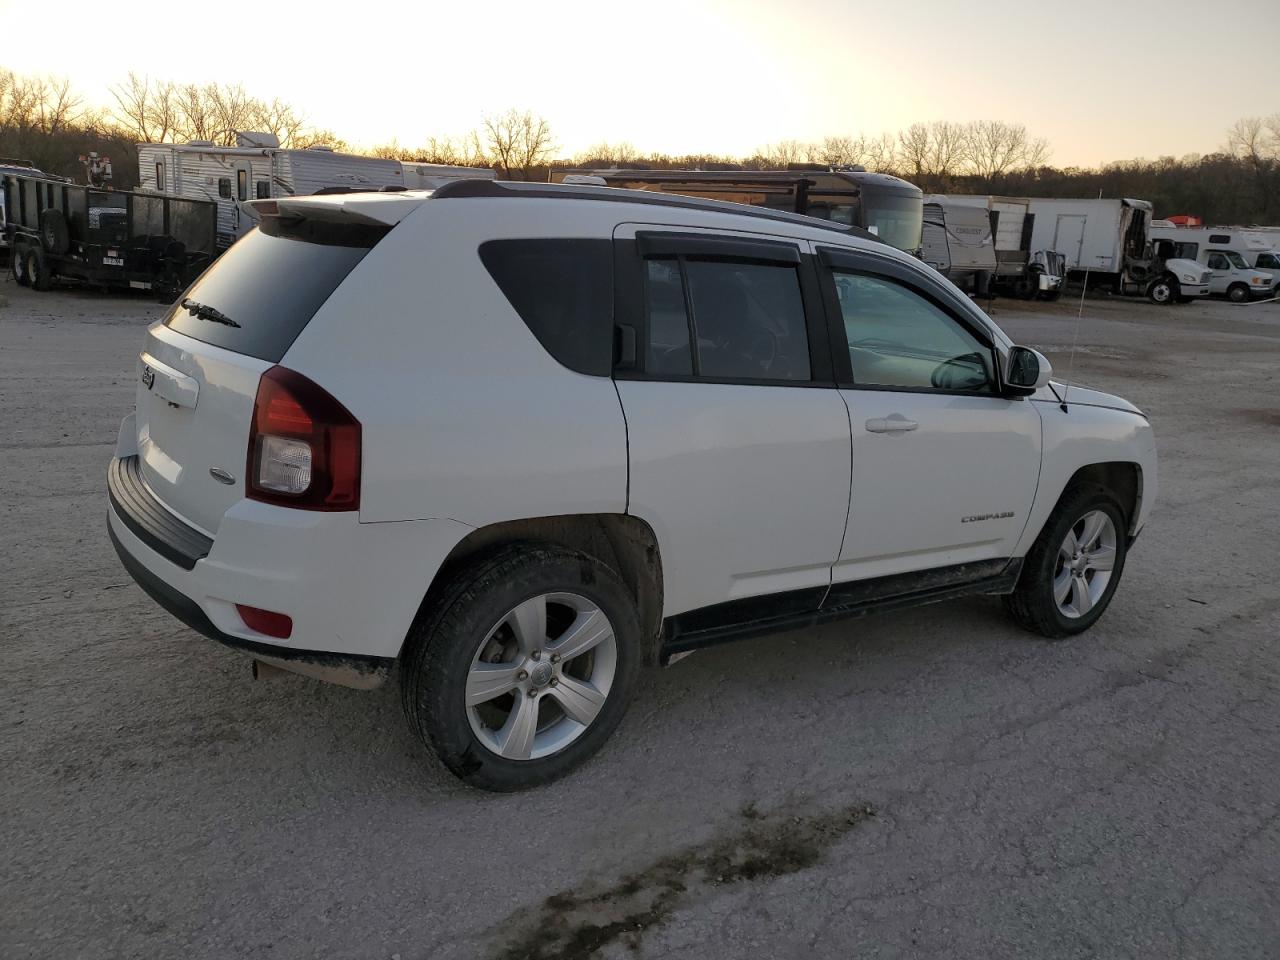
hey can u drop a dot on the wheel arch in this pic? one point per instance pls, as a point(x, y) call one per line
point(622, 541)
point(1122, 477)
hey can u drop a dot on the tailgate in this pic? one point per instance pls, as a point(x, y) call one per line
point(195, 403)
point(198, 373)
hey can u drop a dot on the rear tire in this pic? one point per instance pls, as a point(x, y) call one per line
point(482, 656)
point(1238, 293)
point(38, 270)
point(1039, 603)
point(18, 266)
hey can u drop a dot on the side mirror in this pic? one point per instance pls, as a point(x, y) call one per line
point(1027, 371)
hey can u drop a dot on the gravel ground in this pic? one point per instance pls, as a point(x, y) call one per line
point(928, 783)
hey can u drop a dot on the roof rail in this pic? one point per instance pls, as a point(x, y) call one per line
point(457, 189)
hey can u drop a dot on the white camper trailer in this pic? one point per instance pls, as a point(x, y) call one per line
point(1107, 239)
point(1021, 269)
point(258, 168)
point(956, 241)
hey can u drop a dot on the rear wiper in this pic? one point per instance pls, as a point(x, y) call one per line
point(202, 312)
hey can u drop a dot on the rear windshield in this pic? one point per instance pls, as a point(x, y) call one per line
point(270, 283)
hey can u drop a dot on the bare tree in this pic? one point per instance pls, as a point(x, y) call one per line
point(782, 154)
point(837, 151)
point(622, 154)
point(933, 153)
point(993, 148)
point(517, 140)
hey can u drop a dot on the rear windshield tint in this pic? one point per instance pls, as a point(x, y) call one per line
point(270, 283)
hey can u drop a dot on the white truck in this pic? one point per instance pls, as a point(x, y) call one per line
point(1244, 264)
point(258, 168)
point(1107, 240)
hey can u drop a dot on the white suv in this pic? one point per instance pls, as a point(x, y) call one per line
point(521, 439)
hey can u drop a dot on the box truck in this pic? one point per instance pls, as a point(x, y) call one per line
point(1106, 240)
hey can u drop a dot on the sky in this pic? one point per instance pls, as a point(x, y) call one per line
point(1100, 81)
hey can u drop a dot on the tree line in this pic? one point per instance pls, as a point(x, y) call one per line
point(45, 120)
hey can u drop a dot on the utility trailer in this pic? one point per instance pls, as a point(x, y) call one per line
point(1021, 269)
point(885, 205)
point(1107, 242)
point(258, 168)
point(63, 231)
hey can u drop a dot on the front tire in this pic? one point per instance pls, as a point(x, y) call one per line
point(1072, 571)
point(1163, 290)
point(523, 666)
point(1238, 293)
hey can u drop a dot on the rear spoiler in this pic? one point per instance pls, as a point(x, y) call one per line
point(372, 209)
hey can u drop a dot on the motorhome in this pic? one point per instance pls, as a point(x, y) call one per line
point(956, 241)
point(887, 206)
point(1020, 269)
point(258, 168)
point(1245, 263)
point(1106, 241)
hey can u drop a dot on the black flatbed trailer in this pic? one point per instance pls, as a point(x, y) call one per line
point(63, 231)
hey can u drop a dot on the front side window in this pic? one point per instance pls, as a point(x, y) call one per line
point(224, 188)
point(1268, 261)
point(725, 319)
point(1186, 251)
point(1226, 260)
point(898, 338)
point(263, 189)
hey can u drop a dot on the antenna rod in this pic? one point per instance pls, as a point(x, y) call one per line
point(1075, 335)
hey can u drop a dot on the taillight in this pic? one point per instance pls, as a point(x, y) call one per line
point(304, 446)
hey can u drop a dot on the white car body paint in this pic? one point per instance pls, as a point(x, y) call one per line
point(467, 421)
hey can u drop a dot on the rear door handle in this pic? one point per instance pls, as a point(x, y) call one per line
point(894, 423)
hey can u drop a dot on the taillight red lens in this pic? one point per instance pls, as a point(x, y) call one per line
point(304, 446)
point(266, 621)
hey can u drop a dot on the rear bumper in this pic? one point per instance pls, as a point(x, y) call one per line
point(349, 670)
point(351, 589)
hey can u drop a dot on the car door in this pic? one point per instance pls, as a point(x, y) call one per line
point(1221, 272)
point(944, 467)
point(738, 440)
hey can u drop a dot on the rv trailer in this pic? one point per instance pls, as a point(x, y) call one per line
point(956, 241)
point(887, 206)
point(1106, 241)
point(258, 168)
point(1021, 270)
point(59, 230)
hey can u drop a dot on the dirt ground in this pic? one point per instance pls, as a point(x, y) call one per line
point(927, 783)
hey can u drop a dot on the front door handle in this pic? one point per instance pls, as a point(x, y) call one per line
point(894, 423)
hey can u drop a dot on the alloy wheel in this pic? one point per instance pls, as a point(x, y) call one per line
point(1085, 561)
point(541, 676)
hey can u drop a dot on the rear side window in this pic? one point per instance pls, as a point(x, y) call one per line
point(1219, 238)
point(563, 291)
point(270, 283)
point(224, 188)
point(748, 320)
